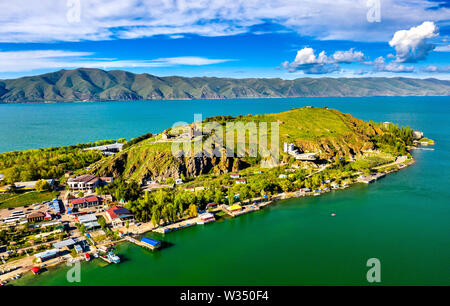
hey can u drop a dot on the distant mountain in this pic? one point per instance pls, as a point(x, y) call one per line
point(98, 85)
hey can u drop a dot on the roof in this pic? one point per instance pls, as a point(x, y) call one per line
point(86, 199)
point(36, 215)
point(92, 224)
point(206, 216)
point(87, 218)
point(86, 178)
point(117, 212)
point(32, 184)
point(47, 253)
point(151, 242)
point(64, 243)
point(114, 146)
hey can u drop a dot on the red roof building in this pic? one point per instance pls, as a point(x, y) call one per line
point(118, 215)
point(85, 202)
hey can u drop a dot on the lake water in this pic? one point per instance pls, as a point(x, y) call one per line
point(403, 219)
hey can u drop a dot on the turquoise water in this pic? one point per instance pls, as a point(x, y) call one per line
point(28, 126)
point(401, 219)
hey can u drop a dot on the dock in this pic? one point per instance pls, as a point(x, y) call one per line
point(145, 243)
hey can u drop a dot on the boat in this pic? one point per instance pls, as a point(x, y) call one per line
point(113, 257)
point(95, 255)
point(87, 256)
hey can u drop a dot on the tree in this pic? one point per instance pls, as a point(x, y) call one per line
point(101, 220)
point(192, 211)
point(230, 197)
point(127, 224)
point(42, 185)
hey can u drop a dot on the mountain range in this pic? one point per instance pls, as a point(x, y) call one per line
point(86, 84)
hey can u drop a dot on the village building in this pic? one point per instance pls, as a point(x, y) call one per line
point(65, 244)
point(87, 183)
point(89, 221)
point(290, 149)
point(85, 202)
point(36, 217)
point(46, 255)
point(29, 186)
point(119, 215)
point(108, 150)
point(242, 181)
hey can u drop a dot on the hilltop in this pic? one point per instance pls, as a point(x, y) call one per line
point(85, 84)
point(326, 132)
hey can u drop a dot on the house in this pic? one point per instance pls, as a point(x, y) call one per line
point(85, 202)
point(179, 181)
point(282, 176)
point(89, 221)
point(36, 217)
point(107, 150)
point(243, 181)
point(87, 183)
point(206, 218)
point(334, 185)
point(235, 207)
point(68, 243)
point(119, 215)
point(211, 205)
point(44, 256)
point(32, 184)
point(290, 149)
point(234, 175)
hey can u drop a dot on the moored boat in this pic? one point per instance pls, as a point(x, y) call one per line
point(113, 257)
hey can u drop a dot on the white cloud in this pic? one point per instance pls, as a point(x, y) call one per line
point(348, 56)
point(379, 65)
point(436, 69)
point(46, 20)
point(17, 61)
point(442, 48)
point(411, 45)
point(307, 62)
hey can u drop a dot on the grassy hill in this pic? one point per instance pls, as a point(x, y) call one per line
point(324, 131)
point(98, 85)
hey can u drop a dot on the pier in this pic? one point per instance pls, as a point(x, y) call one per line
point(145, 243)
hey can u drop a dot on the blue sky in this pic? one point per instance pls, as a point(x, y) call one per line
point(278, 38)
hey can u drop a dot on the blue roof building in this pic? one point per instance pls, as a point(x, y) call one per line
point(151, 242)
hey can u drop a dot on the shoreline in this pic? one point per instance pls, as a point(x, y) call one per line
point(191, 222)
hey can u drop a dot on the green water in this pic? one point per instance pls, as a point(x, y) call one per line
point(402, 220)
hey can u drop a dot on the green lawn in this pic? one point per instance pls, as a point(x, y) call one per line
point(15, 200)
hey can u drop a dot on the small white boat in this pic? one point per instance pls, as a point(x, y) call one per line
point(113, 257)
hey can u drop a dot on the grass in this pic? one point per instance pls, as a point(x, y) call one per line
point(28, 198)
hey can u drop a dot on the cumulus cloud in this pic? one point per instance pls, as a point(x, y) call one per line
point(307, 61)
point(48, 20)
point(17, 61)
point(442, 48)
point(411, 45)
point(436, 69)
point(380, 65)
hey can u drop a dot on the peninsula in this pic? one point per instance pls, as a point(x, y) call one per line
point(71, 203)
